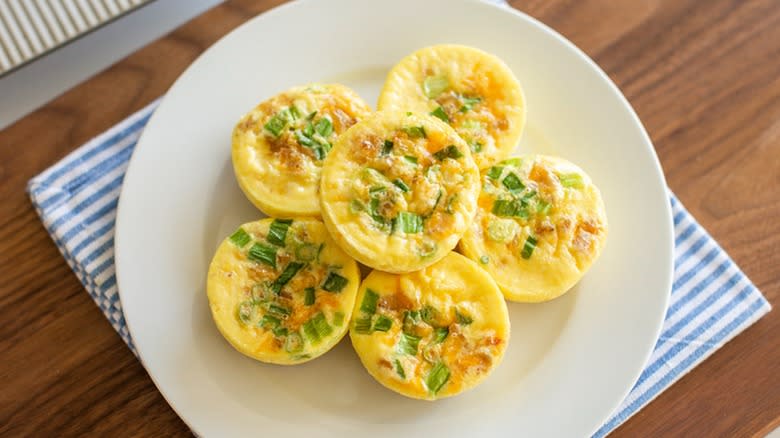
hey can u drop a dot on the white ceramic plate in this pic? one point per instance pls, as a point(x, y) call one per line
point(570, 362)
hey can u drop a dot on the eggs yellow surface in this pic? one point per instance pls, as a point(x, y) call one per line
point(433, 333)
point(281, 291)
point(540, 225)
point(278, 147)
point(399, 190)
point(473, 91)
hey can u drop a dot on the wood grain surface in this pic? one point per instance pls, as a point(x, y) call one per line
point(704, 77)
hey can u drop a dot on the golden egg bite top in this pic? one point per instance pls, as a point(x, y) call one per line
point(473, 91)
point(398, 191)
point(281, 291)
point(540, 225)
point(432, 333)
point(279, 147)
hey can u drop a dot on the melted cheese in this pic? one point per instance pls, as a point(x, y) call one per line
point(278, 150)
point(266, 316)
point(558, 206)
point(473, 90)
point(398, 191)
point(460, 331)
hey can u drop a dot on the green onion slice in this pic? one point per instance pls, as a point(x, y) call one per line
point(369, 302)
point(289, 272)
point(263, 254)
point(387, 147)
point(334, 282)
point(382, 323)
point(450, 151)
point(240, 238)
point(441, 114)
point(502, 230)
point(293, 343)
point(415, 131)
point(484, 260)
point(363, 325)
point(528, 247)
point(338, 319)
point(306, 252)
point(543, 207)
point(509, 208)
point(513, 162)
point(437, 377)
point(409, 223)
point(411, 317)
point(469, 102)
point(440, 334)
point(401, 185)
point(321, 325)
point(399, 369)
point(280, 332)
point(411, 159)
point(310, 331)
point(513, 183)
point(308, 297)
point(495, 172)
point(462, 318)
point(433, 86)
point(324, 126)
point(270, 321)
point(572, 180)
point(277, 233)
point(408, 344)
point(278, 310)
point(275, 125)
point(429, 315)
point(246, 312)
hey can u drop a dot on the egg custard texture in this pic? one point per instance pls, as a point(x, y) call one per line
point(433, 333)
point(399, 190)
point(279, 147)
point(281, 291)
point(540, 225)
point(473, 91)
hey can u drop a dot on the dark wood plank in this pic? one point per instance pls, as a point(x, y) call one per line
point(703, 76)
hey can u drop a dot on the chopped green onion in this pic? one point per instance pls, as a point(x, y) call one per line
point(409, 223)
point(433, 86)
point(293, 343)
point(429, 315)
point(387, 147)
point(440, 114)
point(308, 298)
point(502, 230)
point(246, 312)
point(450, 209)
point(275, 125)
point(411, 317)
point(440, 334)
point(472, 125)
point(369, 302)
point(308, 129)
point(338, 319)
point(301, 356)
point(476, 146)
point(278, 310)
point(310, 331)
point(513, 162)
point(321, 325)
point(573, 180)
point(543, 207)
point(399, 369)
point(437, 377)
point(408, 344)
point(289, 272)
point(484, 260)
point(277, 233)
point(427, 249)
point(270, 321)
point(240, 238)
point(334, 282)
point(382, 324)
point(450, 151)
point(415, 131)
point(463, 319)
point(495, 172)
point(306, 252)
point(286, 114)
point(263, 254)
point(509, 208)
point(529, 195)
point(363, 325)
point(311, 115)
point(513, 183)
point(303, 139)
point(295, 113)
point(528, 247)
point(324, 127)
point(411, 159)
point(280, 332)
point(469, 102)
point(401, 185)
point(376, 190)
point(355, 206)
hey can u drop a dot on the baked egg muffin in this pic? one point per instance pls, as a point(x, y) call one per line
point(278, 147)
point(398, 191)
point(473, 91)
point(433, 333)
point(281, 291)
point(540, 225)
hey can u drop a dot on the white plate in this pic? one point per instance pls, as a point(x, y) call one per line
point(569, 363)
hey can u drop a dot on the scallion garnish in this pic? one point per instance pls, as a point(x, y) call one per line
point(427, 249)
point(399, 369)
point(376, 190)
point(411, 159)
point(415, 131)
point(368, 305)
point(308, 129)
point(440, 334)
point(306, 252)
point(543, 207)
point(509, 208)
point(262, 254)
point(437, 377)
point(528, 247)
point(484, 260)
point(278, 231)
point(321, 325)
point(311, 332)
point(289, 272)
point(308, 296)
point(295, 113)
point(450, 151)
point(382, 323)
point(387, 147)
point(429, 315)
point(246, 312)
point(450, 208)
point(363, 325)
point(411, 317)
point(280, 332)
point(408, 344)
point(270, 321)
point(441, 114)
point(293, 343)
point(476, 146)
point(409, 223)
point(433, 86)
point(275, 125)
point(303, 139)
point(338, 319)
point(355, 206)
point(278, 310)
point(502, 230)
point(469, 102)
point(401, 185)
point(463, 319)
point(495, 172)
point(513, 162)
point(572, 180)
point(324, 127)
point(240, 238)
point(513, 183)
point(334, 282)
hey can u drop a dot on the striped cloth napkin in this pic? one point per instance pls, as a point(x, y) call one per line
point(712, 301)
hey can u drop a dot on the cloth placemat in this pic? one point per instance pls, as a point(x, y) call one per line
point(712, 300)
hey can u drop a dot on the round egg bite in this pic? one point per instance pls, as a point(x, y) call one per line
point(281, 291)
point(473, 91)
point(279, 147)
point(540, 225)
point(399, 190)
point(433, 333)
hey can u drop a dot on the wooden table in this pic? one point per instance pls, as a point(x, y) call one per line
point(704, 77)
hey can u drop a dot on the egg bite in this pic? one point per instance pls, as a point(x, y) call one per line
point(540, 225)
point(398, 191)
point(278, 147)
point(433, 333)
point(472, 91)
point(281, 291)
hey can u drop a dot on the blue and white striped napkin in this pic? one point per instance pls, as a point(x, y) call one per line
point(712, 301)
